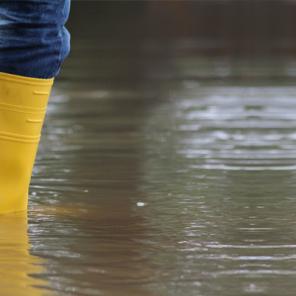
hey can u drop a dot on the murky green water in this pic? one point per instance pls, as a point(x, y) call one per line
point(160, 174)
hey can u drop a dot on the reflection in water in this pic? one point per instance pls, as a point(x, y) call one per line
point(219, 169)
point(19, 271)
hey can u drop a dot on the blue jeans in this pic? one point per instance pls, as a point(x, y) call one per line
point(33, 39)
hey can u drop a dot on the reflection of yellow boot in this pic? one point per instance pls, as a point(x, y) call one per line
point(23, 102)
point(18, 268)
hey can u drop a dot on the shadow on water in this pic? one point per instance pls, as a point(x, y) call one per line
point(85, 199)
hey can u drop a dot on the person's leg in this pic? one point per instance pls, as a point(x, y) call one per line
point(33, 39)
point(33, 45)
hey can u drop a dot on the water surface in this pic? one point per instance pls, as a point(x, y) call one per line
point(161, 175)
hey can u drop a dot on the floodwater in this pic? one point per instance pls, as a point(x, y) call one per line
point(160, 173)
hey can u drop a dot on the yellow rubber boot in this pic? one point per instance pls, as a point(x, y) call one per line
point(23, 103)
